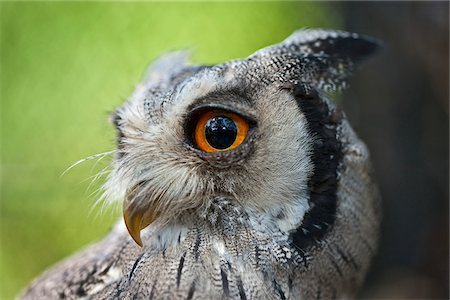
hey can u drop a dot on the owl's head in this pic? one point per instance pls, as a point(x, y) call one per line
point(251, 140)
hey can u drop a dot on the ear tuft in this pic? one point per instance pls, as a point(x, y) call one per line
point(333, 43)
point(163, 69)
point(322, 58)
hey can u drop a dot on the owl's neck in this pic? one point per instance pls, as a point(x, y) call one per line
point(223, 219)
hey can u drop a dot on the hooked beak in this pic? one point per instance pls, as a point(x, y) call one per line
point(137, 218)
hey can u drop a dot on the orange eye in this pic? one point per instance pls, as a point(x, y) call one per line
point(220, 131)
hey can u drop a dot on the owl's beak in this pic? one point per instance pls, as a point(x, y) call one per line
point(137, 219)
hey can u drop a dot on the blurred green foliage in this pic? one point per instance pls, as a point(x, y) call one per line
point(64, 67)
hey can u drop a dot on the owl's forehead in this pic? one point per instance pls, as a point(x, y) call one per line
point(236, 85)
point(310, 60)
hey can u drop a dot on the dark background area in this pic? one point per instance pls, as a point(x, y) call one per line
point(399, 104)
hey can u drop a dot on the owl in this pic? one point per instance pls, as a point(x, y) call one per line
point(240, 180)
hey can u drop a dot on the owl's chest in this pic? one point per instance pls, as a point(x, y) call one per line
point(212, 266)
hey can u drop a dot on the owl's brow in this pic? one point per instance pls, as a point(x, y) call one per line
point(232, 97)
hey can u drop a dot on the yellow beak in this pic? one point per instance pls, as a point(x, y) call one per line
point(137, 219)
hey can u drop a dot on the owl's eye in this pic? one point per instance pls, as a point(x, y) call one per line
point(219, 130)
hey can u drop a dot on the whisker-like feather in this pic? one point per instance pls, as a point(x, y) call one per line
point(99, 156)
point(98, 175)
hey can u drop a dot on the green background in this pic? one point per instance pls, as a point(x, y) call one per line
point(64, 68)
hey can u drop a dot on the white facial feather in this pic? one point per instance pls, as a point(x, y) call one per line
point(175, 182)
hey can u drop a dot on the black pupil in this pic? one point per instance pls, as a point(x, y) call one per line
point(220, 132)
